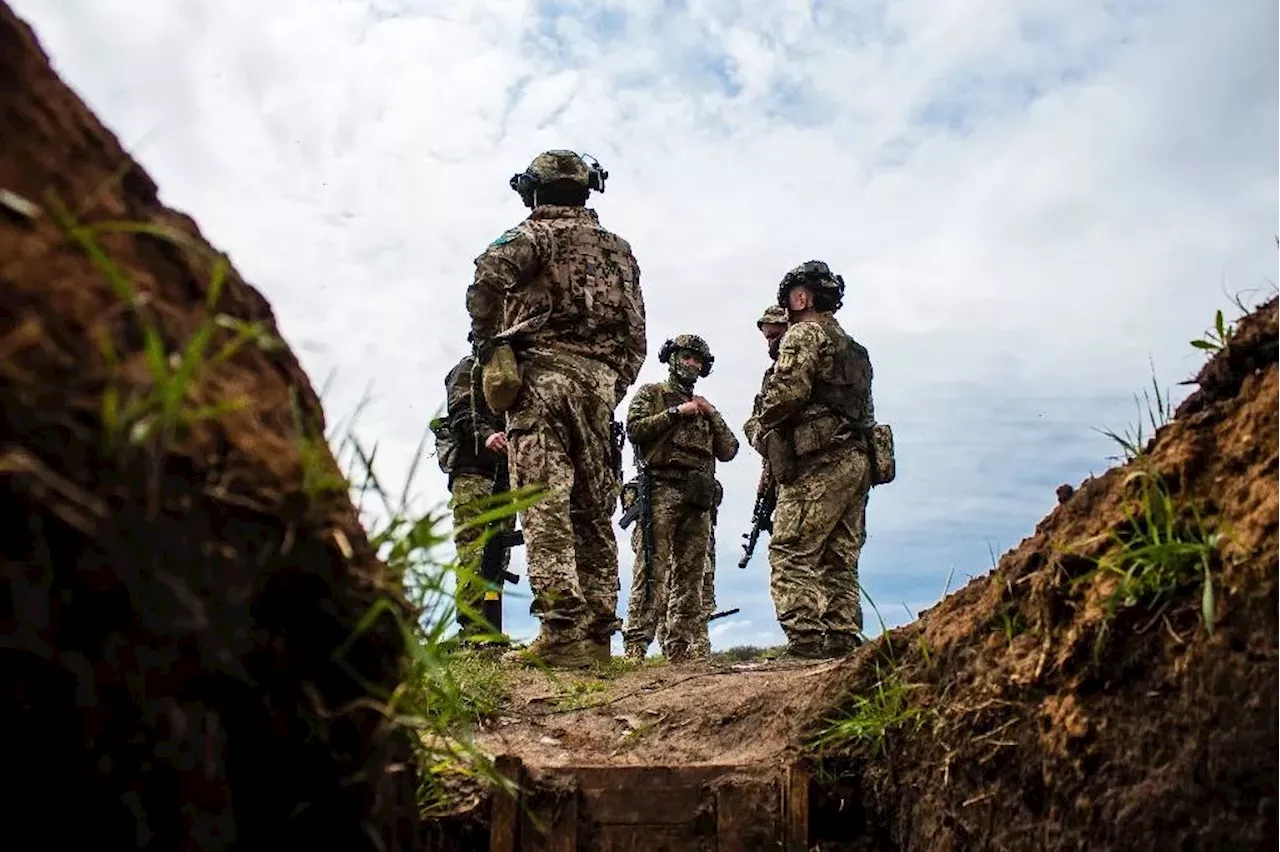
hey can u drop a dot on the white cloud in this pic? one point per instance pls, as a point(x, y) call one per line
point(1026, 200)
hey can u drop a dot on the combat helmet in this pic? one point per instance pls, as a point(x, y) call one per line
point(815, 274)
point(773, 315)
point(692, 343)
point(558, 165)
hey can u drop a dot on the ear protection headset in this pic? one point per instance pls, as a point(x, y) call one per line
point(526, 184)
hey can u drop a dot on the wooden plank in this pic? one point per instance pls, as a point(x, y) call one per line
point(749, 814)
point(654, 806)
point(650, 838)
point(797, 809)
point(550, 821)
point(504, 811)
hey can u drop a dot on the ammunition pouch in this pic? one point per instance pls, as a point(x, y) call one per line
point(880, 444)
point(780, 452)
point(813, 436)
point(501, 379)
point(699, 490)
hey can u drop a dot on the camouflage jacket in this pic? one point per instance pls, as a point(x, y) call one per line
point(559, 282)
point(471, 422)
point(752, 427)
point(821, 374)
point(675, 441)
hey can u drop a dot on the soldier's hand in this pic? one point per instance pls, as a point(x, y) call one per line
point(704, 406)
point(690, 408)
point(497, 442)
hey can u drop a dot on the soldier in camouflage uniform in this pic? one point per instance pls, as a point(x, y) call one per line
point(476, 464)
point(701, 646)
point(815, 417)
point(680, 436)
point(564, 294)
point(772, 324)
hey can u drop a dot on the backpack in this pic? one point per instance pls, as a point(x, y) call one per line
point(446, 444)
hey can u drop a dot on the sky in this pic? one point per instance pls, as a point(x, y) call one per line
point(1032, 203)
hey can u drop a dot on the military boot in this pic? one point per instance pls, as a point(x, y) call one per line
point(803, 649)
point(555, 650)
point(840, 644)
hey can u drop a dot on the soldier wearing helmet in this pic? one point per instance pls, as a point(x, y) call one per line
point(815, 418)
point(679, 436)
point(772, 324)
point(559, 325)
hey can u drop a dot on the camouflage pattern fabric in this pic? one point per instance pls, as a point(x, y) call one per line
point(559, 437)
point(471, 421)
point(676, 447)
point(701, 645)
point(466, 491)
point(819, 524)
point(680, 535)
point(561, 282)
point(751, 429)
point(565, 292)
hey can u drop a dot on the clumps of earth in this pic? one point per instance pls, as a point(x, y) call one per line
point(200, 641)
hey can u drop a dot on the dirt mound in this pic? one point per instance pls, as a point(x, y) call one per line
point(182, 577)
point(1089, 693)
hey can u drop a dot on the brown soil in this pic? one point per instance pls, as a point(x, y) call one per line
point(745, 714)
point(171, 611)
point(1080, 730)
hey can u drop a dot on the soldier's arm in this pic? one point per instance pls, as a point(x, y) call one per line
point(788, 389)
point(646, 418)
point(723, 442)
point(503, 267)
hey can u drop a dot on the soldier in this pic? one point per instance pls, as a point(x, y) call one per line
point(815, 418)
point(477, 461)
point(680, 437)
point(559, 325)
point(772, 324)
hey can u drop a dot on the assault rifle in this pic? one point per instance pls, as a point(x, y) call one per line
point(724, 613)
point(491, 570)
point(642, 510)
point(761, 518)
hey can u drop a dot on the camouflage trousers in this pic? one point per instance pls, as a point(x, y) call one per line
point(819, 528)
point(466, 494)
point(673, 611)
point(559, 437)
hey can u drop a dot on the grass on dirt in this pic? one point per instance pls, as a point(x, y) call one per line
point(443, 693)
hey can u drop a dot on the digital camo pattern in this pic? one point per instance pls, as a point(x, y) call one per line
point(560, 437)
point(562, 283)
point(751, 429)
point(819, 528)
point(669, 440)
point(466, 491)
point(680, 536)
point(819, 524)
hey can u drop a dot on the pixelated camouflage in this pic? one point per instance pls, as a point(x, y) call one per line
point(471, 422)
point(773, 315)
point(818, 401)
point(467, 491)
point(586, 303)
point(559, 165)
point(681, 453)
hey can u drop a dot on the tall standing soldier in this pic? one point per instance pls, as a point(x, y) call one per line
point(478, 462)
point(559, 325)
point(681, 437)
point(816, 416)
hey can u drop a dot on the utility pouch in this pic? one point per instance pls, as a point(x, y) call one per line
point(815, 435)
point(781, 455)
point(884, 466)
point(699, 490)
point(501, 379)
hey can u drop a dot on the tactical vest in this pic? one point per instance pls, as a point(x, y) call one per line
point(465, 456)
point(688, 445)
point(842, 388)
point(588, 281)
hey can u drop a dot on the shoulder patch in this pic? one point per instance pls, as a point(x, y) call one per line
point(507, 236)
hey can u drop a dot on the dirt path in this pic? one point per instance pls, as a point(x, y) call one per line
point(658, 714)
